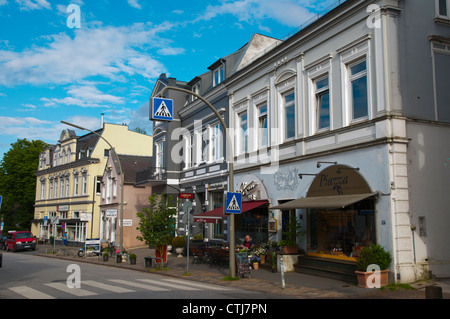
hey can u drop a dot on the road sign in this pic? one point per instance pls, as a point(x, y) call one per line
point(186, 195)
point(233, 203)
point(1, 198)
point(162, 109)
point(187, 207)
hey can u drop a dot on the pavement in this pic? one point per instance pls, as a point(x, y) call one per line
point(297, 285)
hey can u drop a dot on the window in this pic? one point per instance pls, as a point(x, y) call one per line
point(50, 189)
point(190, 144)
point(66, 191)
point(442, 7)
point(289, 115)
point(114, 187)
point(196, 90)
point(62, 190)
point(218, 76)
point(216, 142)
point(42, 189)
point(263, 134)
point(75, 185)
point(358, 88)
point(84, 184)
point(243, 134)
point(159, 156)
point(322, 95)
point(55, 194)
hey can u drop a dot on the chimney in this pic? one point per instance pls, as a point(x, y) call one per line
point(102, 120)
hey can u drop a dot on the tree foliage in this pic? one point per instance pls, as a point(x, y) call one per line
point(18, 182)
point(157, 223)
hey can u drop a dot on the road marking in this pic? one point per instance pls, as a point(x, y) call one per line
point(156, 282)
point(199, 285)
point(105, 286)
point(73, 291)
point(30, 293)
point(138, 285)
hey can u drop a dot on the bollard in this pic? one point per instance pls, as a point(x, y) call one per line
point(433, 292)
point(283, 285)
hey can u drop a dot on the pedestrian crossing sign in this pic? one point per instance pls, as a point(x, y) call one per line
point(234, 203)
point(162, 109)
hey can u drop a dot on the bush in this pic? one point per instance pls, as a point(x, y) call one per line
point(132, 256)
point(375, 254)
point(178, 242)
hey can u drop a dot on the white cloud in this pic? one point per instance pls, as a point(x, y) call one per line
point(171, 51)
point(134, 4)
point(84, 96)
point(108, 52)
point(287, 12)
point(33, 4)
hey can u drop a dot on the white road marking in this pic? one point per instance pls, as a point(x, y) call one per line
point(138, 285)
point(30, 293)
point(73, 291)
point(156, 282)
point(105, 286)
point(196, 284)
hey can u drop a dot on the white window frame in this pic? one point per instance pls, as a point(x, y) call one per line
point(316, 71)
point(243, 136)
point(438, 13)
point(261, 130)
point(196, 90)
point(67, 187)
point(50, 189)
point(220, 75)
point(159, 156)
point(75, 184)
point(216, 137)
point(290, 104)
point(55, 188)
point(286, 85)
point(260, 99)
point(84, 184)
point(43, 189)
point(350, 56)
point(189, 158)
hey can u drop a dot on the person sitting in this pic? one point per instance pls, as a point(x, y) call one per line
point(248, 242)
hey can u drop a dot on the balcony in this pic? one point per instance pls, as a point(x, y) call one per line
point(152, 176)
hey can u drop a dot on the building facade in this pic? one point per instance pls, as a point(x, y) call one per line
point(68, 190)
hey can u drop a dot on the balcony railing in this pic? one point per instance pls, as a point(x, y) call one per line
point(151, 175)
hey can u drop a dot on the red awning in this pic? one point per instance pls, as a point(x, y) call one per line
point(214, 216)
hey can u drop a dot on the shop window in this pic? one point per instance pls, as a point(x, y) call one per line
point(341, 232)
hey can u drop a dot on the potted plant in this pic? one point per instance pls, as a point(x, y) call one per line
point(373, 257)
point(132, 259)
point(255, 262)
point(105, 256)
point(179, 242)
point(273, 260)
point(260, 252)
point(294, 231)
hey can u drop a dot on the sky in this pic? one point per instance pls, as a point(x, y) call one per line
point(54, 66)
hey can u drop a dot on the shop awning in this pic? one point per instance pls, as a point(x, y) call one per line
point(326, 202)
point(214, 216)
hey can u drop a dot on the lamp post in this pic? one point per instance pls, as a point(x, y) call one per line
point(116, 159)
point(230, 168)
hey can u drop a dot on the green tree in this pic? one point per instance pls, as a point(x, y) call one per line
point(157, 223)
point(18, 183)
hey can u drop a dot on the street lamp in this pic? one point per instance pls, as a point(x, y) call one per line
point(230, 167)
point(116, 159)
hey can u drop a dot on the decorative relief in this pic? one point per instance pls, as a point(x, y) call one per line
point(286, 179)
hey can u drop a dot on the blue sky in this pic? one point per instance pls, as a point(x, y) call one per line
point(50, 72)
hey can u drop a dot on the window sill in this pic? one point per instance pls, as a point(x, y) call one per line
point(442, 20)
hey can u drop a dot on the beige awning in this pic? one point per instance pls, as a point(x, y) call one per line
point(327, 202)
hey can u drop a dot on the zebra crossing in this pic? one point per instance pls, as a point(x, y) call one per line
point(90, 288)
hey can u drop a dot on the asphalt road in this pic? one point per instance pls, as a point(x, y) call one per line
point(27, 276)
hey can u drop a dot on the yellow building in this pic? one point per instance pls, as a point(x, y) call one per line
point(68, 187)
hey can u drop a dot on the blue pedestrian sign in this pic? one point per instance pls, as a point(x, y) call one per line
point(162, 109)
point(1, 201)
point(234, 203)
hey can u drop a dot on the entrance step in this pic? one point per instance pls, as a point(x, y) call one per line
point(327, 267)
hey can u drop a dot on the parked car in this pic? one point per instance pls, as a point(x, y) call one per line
point(20, 240)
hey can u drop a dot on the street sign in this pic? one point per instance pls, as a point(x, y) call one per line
point(186, 195)
point(234, 203)
point(1, 198)
point(187, 207)
point(162, 109)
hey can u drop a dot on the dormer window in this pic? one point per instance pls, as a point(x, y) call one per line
point(218, 76)
point(195, 90)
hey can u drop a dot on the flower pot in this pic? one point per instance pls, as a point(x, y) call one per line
point(289, 249)
point(133, 261)
point(256, 266)
point(105, 257)
point(372, 279)
point(118, 259)
point(179, 251)
point(263, 259)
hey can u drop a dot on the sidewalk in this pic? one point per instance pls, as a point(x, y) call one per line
point(296, 285)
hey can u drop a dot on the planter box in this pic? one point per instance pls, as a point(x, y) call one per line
point(371, 279)
point(289, 250)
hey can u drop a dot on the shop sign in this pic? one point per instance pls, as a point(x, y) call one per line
point(338, 180)
point(186, 195)
point(111, 213)
point(127, 223)
point(85, 217)
point(62, 208)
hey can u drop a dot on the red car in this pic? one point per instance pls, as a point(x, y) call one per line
point(20, 240)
